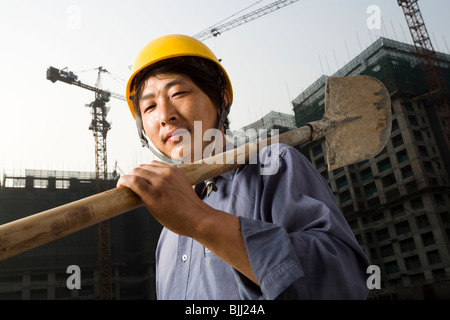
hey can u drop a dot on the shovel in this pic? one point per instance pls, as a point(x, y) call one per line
point(356, 126)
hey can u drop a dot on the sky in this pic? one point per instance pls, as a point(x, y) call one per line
point(270, 60)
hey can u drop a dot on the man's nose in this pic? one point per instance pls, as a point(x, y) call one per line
point(167, 112)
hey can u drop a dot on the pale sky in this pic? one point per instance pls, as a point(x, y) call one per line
point(270, 60)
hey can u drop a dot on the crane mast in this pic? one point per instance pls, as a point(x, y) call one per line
point(429, 62)
point(100, 127)
point(215, 31)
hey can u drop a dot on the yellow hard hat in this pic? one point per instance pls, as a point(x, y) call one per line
point(171, 46)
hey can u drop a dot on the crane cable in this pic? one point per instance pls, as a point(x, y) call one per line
point(211, 27)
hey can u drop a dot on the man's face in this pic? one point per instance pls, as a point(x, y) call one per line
point(170, 102)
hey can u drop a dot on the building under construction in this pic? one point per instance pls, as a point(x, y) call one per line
point(397, 203)
point(41, 273)
point(272, 123)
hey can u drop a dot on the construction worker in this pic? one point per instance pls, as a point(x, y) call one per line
point(243, 235)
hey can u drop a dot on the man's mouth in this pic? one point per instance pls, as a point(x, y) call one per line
point(175, 135)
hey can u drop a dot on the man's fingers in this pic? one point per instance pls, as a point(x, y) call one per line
point(137, 183)
point(145, 178)
point(151, 181)
point(157, 164)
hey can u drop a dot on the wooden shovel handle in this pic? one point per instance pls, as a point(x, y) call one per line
point(38, 229)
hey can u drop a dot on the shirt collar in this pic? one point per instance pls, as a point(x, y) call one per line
point(229, 174)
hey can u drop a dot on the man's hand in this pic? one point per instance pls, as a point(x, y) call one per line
point(168, 196)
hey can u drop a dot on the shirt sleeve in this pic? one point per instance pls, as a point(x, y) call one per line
point(298, 242)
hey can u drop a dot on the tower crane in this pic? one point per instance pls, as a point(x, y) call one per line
point(217, 30)
point(434, 76)
point(100, 127)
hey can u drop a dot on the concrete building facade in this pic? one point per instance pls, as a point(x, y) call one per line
point(42, 273)
point(272, 123)
point(397, 203)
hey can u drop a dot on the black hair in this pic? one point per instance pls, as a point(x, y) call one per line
point(204, 73)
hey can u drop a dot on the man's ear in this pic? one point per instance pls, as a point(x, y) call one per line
point(225, 103)
point(226, 99)
point(224, 109)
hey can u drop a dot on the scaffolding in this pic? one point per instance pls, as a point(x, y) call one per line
point(51, 179)
point(394, 63)
point(272, 123)
point(273, 119)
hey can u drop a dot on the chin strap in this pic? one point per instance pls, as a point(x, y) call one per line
point(211, 183)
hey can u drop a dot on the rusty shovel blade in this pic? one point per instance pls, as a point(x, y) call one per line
point(360, 108)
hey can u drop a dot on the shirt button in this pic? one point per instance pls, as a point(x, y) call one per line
point(184, 257)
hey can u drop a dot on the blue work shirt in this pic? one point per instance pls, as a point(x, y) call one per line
point(298, 242)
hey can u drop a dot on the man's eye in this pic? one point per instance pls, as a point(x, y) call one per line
point(150, 107)
point(178, 93)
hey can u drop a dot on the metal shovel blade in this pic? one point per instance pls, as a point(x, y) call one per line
point(360, 106)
